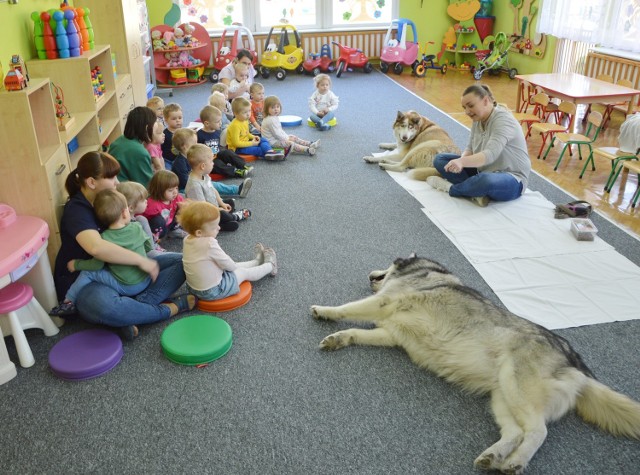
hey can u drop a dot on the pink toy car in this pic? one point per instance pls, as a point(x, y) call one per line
point(398, 51)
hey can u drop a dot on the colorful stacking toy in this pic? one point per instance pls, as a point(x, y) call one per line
point(196, 340)
point(86, 354)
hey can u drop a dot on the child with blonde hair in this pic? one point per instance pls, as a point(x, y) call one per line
point(154, 147)
point(240, 140)
point(156, 104)
point(211, 273)
point(218, 101)
point(163, 204)
point(173, 119)
point(111, 210)
point(200, 188)
point(183, 139)
point(240, 82)
point(272, 131)
point(256, 93)
point(323, 102)
point(223, 89)
point(136, 196)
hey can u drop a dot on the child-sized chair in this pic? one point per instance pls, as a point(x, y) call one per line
point(19, 311)
point(634, 167)
point(568, 138)
point(567, 112)
point(616, 157)
point(539, 114)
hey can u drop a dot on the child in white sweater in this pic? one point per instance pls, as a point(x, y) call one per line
point(272, 131)
point(322, 103)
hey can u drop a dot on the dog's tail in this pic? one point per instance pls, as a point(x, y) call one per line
point(421, 174)
point(609, 410)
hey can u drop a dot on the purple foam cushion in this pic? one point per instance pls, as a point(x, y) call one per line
point(86, 354)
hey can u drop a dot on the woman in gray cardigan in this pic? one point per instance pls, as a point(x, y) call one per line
point(495, 165)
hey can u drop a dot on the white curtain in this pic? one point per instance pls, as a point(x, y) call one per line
point(609, 23)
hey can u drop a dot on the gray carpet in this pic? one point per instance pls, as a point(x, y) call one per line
point(275, 404)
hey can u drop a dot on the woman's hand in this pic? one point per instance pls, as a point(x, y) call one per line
point(151, 267)
point(71, 265)
point(454, 166)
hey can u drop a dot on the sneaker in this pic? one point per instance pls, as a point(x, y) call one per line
point(482, 201)
point(270, 256)
point(240, 172)
point(324, 127)
point(242, 214)
point(258, 250)
point(65, 309)
point(315, 144)
point(274, 156)
point(439, 183)
point(248, 168)
point(311, 150)
point(177, 233)
point(288, 150)
point(245, 186)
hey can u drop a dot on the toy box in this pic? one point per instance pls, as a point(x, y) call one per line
point(583, 229)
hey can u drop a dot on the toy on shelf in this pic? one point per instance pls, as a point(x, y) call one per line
point(17, 63)
point(233, 39)
point(496, 59)
point(428, 62)
point(62, 33)
point(14, 81)
point(98, 83)
point(351, 58)
point(399, 51)
point(62, 114)
point(282, 52)
point(319, 62)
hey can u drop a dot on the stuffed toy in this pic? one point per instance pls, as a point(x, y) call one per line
point(172, 60)
point(167, 38)
point(186, 60)
point(178, 37)
point(156, 39)
point(189, 40)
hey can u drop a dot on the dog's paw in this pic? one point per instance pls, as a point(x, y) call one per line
point(369, 159)
point(486, 461)
point(334, 342)
point(316, 312)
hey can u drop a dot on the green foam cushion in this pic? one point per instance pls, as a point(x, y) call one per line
point(197, 339)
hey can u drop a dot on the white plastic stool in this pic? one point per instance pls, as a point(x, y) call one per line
point(20, 311)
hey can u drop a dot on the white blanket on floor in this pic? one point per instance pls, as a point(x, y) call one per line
point(532, 261)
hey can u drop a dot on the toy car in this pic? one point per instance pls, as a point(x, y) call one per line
point(233, 39)
point(14, 80)
point(399, 51)
point(351, 58)
point(427, 62)
point(317, 63)
point(282, 52)
point(177, 77)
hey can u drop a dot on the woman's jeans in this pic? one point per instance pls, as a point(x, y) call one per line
point(498, 186)
point(100, 304)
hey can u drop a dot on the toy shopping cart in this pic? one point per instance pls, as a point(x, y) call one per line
point(496, 59)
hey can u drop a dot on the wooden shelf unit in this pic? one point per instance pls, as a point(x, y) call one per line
point(95, 121)
point(35, 163)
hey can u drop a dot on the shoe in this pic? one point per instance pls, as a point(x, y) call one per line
point(270, 256)
point(65, 309)
point(439, 183)
point(240, 172)
point(182, 302)
point(128, 333)
point(311, 150)
point(229, 226)
point(177, 233)
point(242, 214)
point(482, 201)
point(324, 127)
point(287, 151)
point(258, 250)
point(274, 156)
point(248, 168)
point(315, 144)
point(245, 186)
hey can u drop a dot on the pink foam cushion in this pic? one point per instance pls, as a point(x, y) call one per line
point(15, 296)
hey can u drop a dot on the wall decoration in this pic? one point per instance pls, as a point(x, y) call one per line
point(531, 43)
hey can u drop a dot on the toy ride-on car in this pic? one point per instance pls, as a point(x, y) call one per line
point(319, 63)
point(233, 39)
point(351, 58)
point(282, 52)
point(399, 51)
point(427, 62)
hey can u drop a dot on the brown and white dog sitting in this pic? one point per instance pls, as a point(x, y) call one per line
point(418, 141)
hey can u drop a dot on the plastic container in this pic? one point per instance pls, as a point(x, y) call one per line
point(583, 229)
point(486, 7)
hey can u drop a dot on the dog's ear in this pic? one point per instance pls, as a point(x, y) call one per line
point(400, 115)
point(413, 255)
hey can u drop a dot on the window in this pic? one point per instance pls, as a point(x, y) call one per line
point(261, 15)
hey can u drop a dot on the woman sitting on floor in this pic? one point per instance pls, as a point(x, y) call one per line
point(495, 164)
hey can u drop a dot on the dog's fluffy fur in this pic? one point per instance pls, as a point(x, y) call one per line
point(532, 375)
point(418, 141)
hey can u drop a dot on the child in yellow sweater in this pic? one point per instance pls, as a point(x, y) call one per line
point(241, 141)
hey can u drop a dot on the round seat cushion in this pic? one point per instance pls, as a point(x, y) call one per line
point(290, 120)
point(228, 303)
point(196, 340)
point(15, 296)
point(333, 122)
point(86, 354)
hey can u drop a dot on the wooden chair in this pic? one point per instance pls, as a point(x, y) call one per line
point(540, 101)
point(609, 108)
point(527, 93)
point(567, 111)
point(568, 138)
point(634, 167)
point(601, 77)
point(617, 158)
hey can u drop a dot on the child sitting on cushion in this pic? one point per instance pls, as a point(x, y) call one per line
point(241, 141)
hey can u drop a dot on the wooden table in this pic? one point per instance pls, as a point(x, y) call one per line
point(578, 89)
